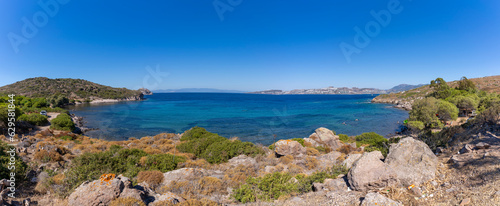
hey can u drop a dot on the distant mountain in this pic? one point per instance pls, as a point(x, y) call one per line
point(73, 89)
point(403, 87)
point(197, 90)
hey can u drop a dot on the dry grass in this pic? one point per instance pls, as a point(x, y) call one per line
point(237, 175)
point(286, 159)
point(153, 178)
point(199, 163)
point(127, 201)
point(311, 163)
point(312, 151)
point(195, 202)
point(59, 179)
point(294, 169)
point(211, 185)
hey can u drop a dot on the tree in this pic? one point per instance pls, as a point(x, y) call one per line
point(467, 85)
point(415, 125)
point(4, 114)
point(425, 110)
point(465, 102)
point(441, 88)
point(446, 110)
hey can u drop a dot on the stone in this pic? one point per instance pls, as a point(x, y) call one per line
point(465, 201)
point(184, 174)
point(374, 198)
point(482, 145)
point(338, 184)
point(350, 160)
point(96, 193)
point(324, 137)
point(369, 172)
point(451, 190)
point(412, 161)
point(317, 186)
point(289, 147)
point(416, 191)
point(242, 160)
point(168, 196)
point(467, 148)
point(328, 160)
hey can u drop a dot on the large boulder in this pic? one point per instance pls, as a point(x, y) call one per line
point(369, 172)
point(324, 137)
point(412, 161)
point(289, 147)
point(374, 198)
point(350, 160)
point(242, 160)
point(97, 192)
point(328, 160)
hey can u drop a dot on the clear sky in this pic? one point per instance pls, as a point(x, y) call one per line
point(249, 44)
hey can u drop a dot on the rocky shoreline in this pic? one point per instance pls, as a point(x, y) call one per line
point(398, 103)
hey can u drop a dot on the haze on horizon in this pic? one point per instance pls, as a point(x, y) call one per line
point(249, 45)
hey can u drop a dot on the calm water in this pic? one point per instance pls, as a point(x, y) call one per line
point(251, 117)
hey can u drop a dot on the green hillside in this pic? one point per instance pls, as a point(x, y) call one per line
point(73, 89)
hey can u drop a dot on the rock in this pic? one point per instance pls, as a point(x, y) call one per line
point(465, 201)
point(184, 174)
point(289, 147)
point(369, 172)
point(446, 184)
point(416, 191)
point(451, 190)
point(412, 161)
point(467, 148)
point(27, 202)
point(242, 160)
point(350, 160)
point(324, 137)
point(317, 186)
point(23, 144)
point(338, 184)
point(374, 198)
point(328, 160)
point(482, 145)
point(96, 193)
point(168, 196)
point(434, 183)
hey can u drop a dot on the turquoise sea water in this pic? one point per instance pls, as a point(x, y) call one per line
point(251, 117)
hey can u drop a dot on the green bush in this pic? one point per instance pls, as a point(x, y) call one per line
point(90, 166)
point(305, 182)
point(415, 125)
point(62, 122)
point(299, 140)
point(19, 167)
point(214, 148)
point(374, 142)
point(346, 139)
point(34, 119)
point(269, 187)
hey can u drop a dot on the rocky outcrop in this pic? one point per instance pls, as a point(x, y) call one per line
point(350, 160)
point(374, 198)
point(398, 103)
point(412, 161)
point(369, 172)
point(183, 174)
point(324, 137)
point(145, 91)
point(327, 160)
point(289, 147)
point(97, 192)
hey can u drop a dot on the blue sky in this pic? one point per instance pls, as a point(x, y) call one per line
point(257, 44)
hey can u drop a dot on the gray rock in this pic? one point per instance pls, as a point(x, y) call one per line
point(467, 148)
point(338, 184)
point(242, 160)
point(369, 172)
point(374, 198)
point(350, 160)
point(317, 186)
point(168, 196)
point(412, 161)
point(328, 160)
point(324, 137)
point(184, 174)
point(482, 145)
point(289, 147)
point(96, 193)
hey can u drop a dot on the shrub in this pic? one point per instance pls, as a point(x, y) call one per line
point(374, 142)
point(299, 140)
point(311, 163)
point(153, 178)
point(245, 193)
point(269, 187)
point(415, 125)
point(214, 148)
point(305, 182)
point(62, 122)
point(34, 119)
point(210, 185)
point(312, 151)
point(20, 165)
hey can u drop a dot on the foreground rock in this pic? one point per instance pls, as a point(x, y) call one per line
point(369, 172)
point(289, 147)
point(378, 199)
point(324, 137)
point(108, 188)
point(412, 161)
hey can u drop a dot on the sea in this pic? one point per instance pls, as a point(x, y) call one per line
point(256, 118)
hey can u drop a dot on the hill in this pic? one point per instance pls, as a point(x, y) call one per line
point(403, 87)
point(73, 89)
point(404, 99)
point(341, 90)
point(197, 90)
